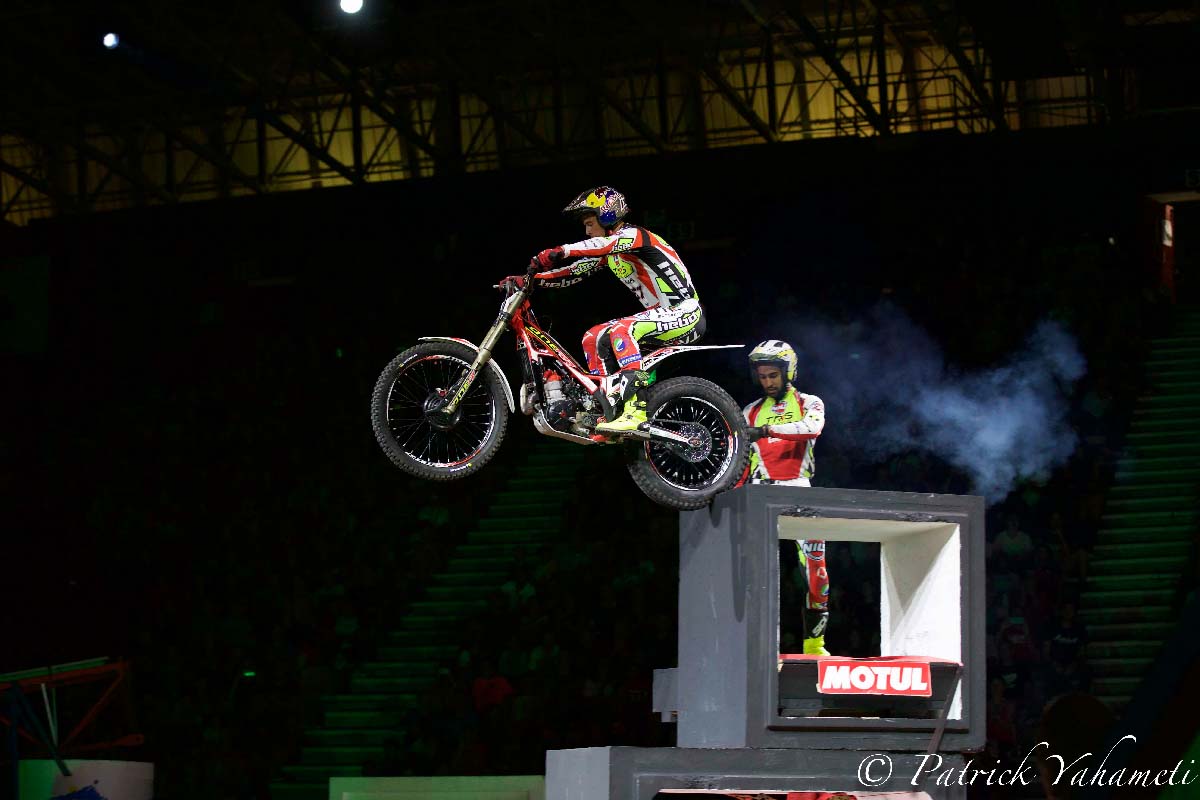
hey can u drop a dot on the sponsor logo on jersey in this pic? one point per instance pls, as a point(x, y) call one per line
point(680, 322)
point(623, 244)
point(779, 408)
point(628, 359)
point(620, 267)
point(850, 676)
point(619, 344)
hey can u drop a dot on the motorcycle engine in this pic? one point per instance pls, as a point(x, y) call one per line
point(562, 399)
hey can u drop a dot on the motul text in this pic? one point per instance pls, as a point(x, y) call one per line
point(847, 676)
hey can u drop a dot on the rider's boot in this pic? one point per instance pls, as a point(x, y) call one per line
point(814, 640)
point(633, 408)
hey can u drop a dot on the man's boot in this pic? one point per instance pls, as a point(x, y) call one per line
point(633, 408)
point(814, 638)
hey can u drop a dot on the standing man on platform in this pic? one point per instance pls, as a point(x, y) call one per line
point(783, 427)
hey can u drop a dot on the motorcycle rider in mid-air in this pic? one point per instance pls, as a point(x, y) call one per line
point(651, 269)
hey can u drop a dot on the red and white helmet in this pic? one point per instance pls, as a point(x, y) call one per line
point(773, 352)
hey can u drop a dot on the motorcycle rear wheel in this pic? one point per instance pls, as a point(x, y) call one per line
point(414, 435)
point(688, 477)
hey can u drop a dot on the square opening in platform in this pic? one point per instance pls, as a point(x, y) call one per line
point(849, 574)
point(918, 615)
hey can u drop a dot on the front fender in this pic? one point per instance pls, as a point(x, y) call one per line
point(512, 405)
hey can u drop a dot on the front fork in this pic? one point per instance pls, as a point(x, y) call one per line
point(460, 388)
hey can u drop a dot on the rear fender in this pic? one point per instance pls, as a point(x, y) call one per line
point(664, 353)
point(512, 405)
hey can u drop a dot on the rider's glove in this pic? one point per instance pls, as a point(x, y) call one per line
point(547, 258)
point(754, 434)
point(516, 280)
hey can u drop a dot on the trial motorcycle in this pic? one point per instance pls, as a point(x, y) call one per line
point(440, 409)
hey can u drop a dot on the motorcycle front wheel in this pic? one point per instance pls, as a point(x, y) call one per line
point(688, 476)
point(420, 438)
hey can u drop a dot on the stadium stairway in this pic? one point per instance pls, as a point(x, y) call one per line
point(526, 512)
point(1149, 521)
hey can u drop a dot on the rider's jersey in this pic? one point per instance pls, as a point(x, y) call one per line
point(796, 420)
point(646, 264)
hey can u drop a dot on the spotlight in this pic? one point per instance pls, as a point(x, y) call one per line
point(111, 40)
point(351, 6)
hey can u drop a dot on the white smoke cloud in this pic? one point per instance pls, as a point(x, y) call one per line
point(888, 390)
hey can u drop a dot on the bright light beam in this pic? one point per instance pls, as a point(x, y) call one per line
point(351, 6)
point(111, 40)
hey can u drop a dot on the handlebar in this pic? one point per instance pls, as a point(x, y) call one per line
point(528, 287)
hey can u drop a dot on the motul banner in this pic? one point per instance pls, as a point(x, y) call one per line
point(854, 676)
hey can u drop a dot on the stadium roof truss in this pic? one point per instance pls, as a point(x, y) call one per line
point(196, 104)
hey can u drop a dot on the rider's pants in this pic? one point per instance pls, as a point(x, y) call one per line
point(617, 344)
point(812, 558)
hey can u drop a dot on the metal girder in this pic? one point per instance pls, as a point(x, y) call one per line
point(85, 150)
point(448, 128)
point(513, 121)
point(135, 176)
point(713, 72)
point(366, 90)
point(789, 51)
point(635, 121)
point(259, 110)
point(62, 200)
point(481, 85)
point(217, 159)
point(888, 26)
point(949, 39)
point(306, 143)
point(830, 57)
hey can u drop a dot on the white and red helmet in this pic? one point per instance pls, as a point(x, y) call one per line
point(776, 353)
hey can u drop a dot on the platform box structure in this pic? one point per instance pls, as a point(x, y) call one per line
point(931, 569)
point(725, 693)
